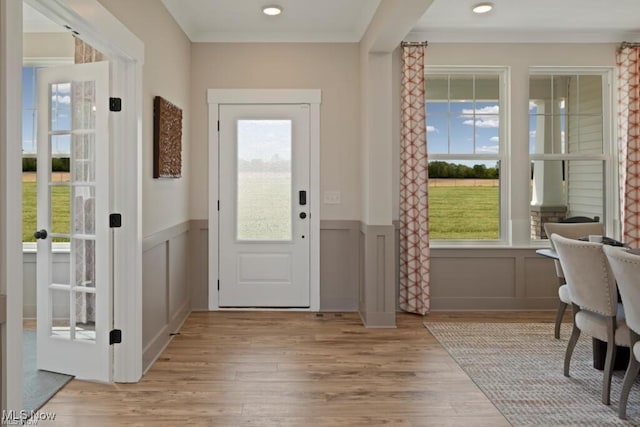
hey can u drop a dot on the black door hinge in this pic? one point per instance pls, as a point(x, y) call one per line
point(115, 336)
point(218, 205)
point(218, 125)
point(218, 284)
point(115, 104)
point(115, 220)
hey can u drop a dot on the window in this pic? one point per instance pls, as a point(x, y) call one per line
point(465, 110)
point(60, 153)
point(569, 145)
point(29, 152)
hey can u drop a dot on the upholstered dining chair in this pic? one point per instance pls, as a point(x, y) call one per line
point(626, 270)
point(573, 231)
point(594, 297)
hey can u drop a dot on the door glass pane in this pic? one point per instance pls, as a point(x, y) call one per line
point(83, 210)
point(72, 195)
point(63, 324)
point(84, 105)
point(60, 210)
point(264, 192)
point(84, 288)
point(82, 158)
point(61, 314)
point(60, 106)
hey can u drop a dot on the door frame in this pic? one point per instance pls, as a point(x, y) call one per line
point(313, 97)
point(126, 54)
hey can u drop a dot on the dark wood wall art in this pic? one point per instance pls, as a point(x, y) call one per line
point(167, 139)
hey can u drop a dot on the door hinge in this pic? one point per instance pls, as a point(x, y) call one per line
point(218, 125)
point(115, 336)
point(115, 104)
point(115, 220)
point(218, 205)
point(218, 284)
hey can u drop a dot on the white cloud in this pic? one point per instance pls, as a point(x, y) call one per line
point(494, 139)
point(490, 109)
point(432, 129)
point(532, 105)
point(61, 99)
point(532, 134)
point(483, 122)
point(487, 149)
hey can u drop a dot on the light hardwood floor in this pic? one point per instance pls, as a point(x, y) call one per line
point(293, 369)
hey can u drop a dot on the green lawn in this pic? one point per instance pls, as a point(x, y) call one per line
point(60, 206)
point(264, 206)
point(463, 212)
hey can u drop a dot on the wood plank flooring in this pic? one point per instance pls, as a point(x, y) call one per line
point(293, 369)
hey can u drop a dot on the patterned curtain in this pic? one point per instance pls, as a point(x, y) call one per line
point(414, 219)
point(628, 61)
point(86, 53)
point(84, 202)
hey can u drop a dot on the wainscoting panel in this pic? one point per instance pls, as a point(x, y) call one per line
point(378, 300)
point(473, 277)
point(540, 278)
point(155, 305)
point(199, 264)
point(492, 279)
point(166, 296)
point(339, 259)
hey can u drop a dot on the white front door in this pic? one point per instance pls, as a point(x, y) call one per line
point(73, 314)
point(264, 206)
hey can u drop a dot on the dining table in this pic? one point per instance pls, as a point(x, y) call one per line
point(600, 347)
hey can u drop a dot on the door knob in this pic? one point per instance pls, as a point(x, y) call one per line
point(40, 234)
point(303, 215)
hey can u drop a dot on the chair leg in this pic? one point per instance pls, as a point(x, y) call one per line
point(629, 378)
point(608, 361)
point(559, 315)
point(575, 334)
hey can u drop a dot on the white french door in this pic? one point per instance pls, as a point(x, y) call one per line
point(74, 312)
point(264, 210)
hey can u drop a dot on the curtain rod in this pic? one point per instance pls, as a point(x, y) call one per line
point(424, 43)
point(629, 44)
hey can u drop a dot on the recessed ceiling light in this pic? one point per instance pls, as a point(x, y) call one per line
point(272, 10)
point(482, 8)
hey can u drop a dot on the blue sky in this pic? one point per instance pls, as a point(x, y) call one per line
point(463, 127)
point(61, 112)
point(473, 128)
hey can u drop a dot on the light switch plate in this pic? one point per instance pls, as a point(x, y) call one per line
point(332, 197)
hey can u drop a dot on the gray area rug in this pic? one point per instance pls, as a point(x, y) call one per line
point(39, 386)
point(519, 368)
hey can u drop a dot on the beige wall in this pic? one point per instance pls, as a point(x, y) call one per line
point(47, 45)
point(165, 202)
point(333, 68)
